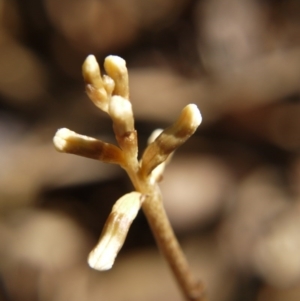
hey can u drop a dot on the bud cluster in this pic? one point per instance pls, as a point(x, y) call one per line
point(110, 93)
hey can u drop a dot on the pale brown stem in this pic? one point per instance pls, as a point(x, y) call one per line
point(153, 208)
point(169, 246)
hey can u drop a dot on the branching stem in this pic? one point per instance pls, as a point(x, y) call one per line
point(110, 93)
point(164, 235)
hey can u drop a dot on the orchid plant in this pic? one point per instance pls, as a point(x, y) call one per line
point(110, 93)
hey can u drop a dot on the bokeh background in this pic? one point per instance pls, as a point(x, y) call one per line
point(232, 191)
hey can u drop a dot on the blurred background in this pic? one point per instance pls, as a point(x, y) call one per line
point(231, 192)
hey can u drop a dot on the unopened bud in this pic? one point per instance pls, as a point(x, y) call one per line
point(109, 84)
point(115, 230)
point(157, 172)
point(120, 111)
point(116, 69)
point(154, 135)
point(94, 84)
point(171, 138)
point(70, 142)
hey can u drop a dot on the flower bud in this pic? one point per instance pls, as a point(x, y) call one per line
point(94, 85)
point(116, 69)
point(120, 111)
point(115, 230)
point(171, 138)
point(154, 135)
point(157, 172)
point(109, 84)
point(70, 142)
